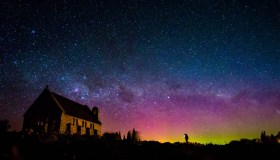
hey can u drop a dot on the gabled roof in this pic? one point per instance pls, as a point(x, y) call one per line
point(73, 108)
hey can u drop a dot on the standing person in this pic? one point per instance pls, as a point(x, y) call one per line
point(186, 138)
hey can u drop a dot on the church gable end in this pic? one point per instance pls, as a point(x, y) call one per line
point(51, 112)
point(43, 112)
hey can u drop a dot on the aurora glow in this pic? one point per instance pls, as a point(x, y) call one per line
point(208, 68)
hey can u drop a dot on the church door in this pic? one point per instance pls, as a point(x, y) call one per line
point(79, 129)
point(68, 128)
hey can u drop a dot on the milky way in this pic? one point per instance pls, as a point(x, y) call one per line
point(207, 68)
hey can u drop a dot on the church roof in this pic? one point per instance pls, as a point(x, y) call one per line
point(73, 108)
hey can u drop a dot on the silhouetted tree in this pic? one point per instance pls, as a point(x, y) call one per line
point(4, 126)
point(124, 137)
point(133, 138)
point(264, 138)
point(119, 135)
point(128, 137)
point(272, 139)
point(278, 135)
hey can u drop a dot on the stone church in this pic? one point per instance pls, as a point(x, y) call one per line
point(53, 113)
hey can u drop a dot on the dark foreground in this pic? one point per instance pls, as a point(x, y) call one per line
point(19, 147)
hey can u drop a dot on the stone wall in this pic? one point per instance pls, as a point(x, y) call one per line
point(73, 125)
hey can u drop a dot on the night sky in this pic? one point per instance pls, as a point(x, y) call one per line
point(203, 67)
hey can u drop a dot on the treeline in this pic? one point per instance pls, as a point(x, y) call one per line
point(131, 136)
point(263, 139)
point(266, 139)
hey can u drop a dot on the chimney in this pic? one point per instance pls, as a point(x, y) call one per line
point(95, 113)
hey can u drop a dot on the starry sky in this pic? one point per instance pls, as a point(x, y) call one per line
point(209, 68)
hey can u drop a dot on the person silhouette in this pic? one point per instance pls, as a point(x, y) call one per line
point(186, 138)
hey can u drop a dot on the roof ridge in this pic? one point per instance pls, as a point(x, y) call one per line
point(55, 94)
point(56, 101)
point(73, 108)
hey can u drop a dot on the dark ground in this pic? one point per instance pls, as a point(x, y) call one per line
point(21, 147)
